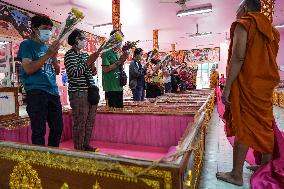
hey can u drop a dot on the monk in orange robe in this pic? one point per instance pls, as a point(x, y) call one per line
point(252, 74)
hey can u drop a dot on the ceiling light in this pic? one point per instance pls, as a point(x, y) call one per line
point(194, 11)
point(279, 26)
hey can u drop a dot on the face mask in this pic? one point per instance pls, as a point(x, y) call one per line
point(44, 35)
point(81, 44)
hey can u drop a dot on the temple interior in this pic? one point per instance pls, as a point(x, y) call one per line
point(176, 135)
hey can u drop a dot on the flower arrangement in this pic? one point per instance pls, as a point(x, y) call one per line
point(153, 53)
point(166, 58)
point(129, 45)
point(112, 42)
point(74, 17)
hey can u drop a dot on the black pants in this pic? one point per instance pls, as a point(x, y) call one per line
point(115, 99)
point(152, 91)
point(42, 107)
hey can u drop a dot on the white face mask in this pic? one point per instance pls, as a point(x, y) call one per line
point(44, 35)
point(81, 44)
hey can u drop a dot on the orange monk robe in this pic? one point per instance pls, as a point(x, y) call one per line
point(250, 115)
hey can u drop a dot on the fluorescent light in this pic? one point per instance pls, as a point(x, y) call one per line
point(200, 34)
point(194, 11)
point(279, 26)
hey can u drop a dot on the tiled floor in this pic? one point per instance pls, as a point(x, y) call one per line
point(218, 155)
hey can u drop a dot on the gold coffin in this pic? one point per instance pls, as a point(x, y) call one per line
point(31, 167)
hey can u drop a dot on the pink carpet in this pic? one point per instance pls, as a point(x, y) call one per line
point(125, 150)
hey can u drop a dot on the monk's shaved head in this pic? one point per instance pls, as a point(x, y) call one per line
point(248, 6)
point(253, 5)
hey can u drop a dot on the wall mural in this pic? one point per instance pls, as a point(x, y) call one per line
point(14, 23)
point(198, 56)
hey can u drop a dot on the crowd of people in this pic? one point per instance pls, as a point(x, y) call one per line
point(150, 78)
point(158, 77)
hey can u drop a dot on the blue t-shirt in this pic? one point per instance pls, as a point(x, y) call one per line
point(45, 78)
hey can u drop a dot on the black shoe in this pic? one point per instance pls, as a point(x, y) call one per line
point(90, 148)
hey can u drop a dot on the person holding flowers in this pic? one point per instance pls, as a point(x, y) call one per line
point(112, 62)
point(38, 74)
point(68, 26)
point(154, 76)
point(80, 68)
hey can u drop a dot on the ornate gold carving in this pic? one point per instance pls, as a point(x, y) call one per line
point(152, 183)
point(156, 39)
point(65, 186)
point(82, 165)
point(281, 99)
point(268, 8)
point(23, 176)
point(116, 176)
point(166, 175)
point(187, 183)
point(116, 14)
point(17, 123)
point(97, 185)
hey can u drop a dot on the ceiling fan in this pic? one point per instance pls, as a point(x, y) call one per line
point(181, 3)
point(198, 34)
point(70, 2)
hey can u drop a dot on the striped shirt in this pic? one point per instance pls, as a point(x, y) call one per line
point(77, 71)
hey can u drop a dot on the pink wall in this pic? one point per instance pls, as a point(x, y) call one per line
point(280, 57)
point(223, 57)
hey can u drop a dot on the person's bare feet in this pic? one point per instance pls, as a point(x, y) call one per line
point(230, 178)
point(253, 167)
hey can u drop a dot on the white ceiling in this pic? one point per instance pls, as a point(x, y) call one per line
point(140, 17)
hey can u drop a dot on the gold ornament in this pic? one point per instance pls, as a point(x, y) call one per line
point(97, 185)
point(65, 186)
point(187, 183)
point(24, 177)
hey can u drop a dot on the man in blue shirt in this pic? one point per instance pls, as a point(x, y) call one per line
point(38, 74)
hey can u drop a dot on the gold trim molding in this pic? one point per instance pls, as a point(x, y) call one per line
point(89, 166)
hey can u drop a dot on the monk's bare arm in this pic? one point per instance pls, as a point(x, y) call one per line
point(238, 54)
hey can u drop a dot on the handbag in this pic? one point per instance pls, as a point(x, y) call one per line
point(93, 93)
point(122, 77)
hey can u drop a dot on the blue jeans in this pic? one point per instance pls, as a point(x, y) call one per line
point(43, 107)
point(168, 87)
point(182, 86)
point(138, 93)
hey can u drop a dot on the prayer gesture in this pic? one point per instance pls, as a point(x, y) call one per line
point(53, 49)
